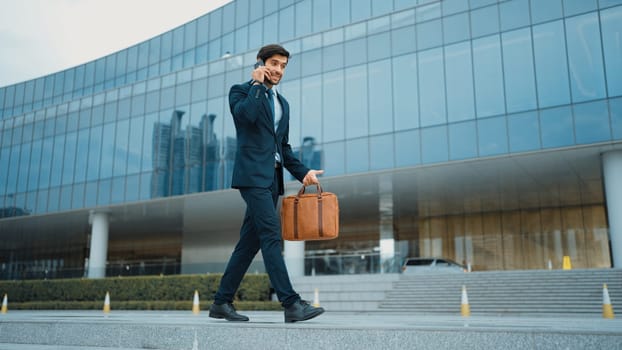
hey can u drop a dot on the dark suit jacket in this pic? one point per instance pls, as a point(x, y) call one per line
point(257, 141)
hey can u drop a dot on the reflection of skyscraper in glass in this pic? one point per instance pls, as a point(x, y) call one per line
point(190, 160)
point(211, 150)
point(308, 155)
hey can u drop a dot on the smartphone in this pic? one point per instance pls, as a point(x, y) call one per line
point(259, 63)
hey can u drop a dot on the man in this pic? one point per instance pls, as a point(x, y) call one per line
point(261, 118)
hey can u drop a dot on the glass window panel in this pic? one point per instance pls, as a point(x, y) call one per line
point(57, 160)
point(456, 28)
point(138, 103)
point(292, 92)
point(13, 169)
point(216, 86)
point(460, 105)
point(493, 136)
point(480, 3)
point(5, 155)
point(484, 21)
point(379, 46)
point(77, 199)
point(573, 7)
point(357, 159)
point(90, 195)
point(488, 76)
point(404, 4)
point(124, 108)
point(65, 197)
point(403, 40)
point(46, 162)
point(321, 21)
point(118, 189)
point(69, 164)
point(462, 140)
point(82, 155)
point(592, 122)
point(551, 66)
point(270, 28)
point(312, 108)
point(103, 192)
point(520, 83)
point(132, 189)
point(311, 62)
point(59, 81)
point(611, 22)
point(380, 101)
point(361, 10)
point(524, 130)
point(69, 75)
point(356, 52)
point(340, 12)
point(405, 92)
point(24, 163)
point(35, 165)
point(434, 145)
point(333, 106)
point(615, 109)
point(303, 18)
point(121, 147)
point(542, 11)
point(110, 112)
point(407, 148)
point(381, 7)
point(182, 95)
point(586, 72)
point(432, 89)
point(95, 146)
point(607, 3)
point(107, 154)
point(332, 57)
point(356, 91)
point(150, 138)
point(557, 127)
point(429, 34)
point(53, 199)
point(381, 152)
point(255, 34)
point(334, 158)
point(514, 14)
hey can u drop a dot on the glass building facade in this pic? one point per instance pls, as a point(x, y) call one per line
point(470, 129)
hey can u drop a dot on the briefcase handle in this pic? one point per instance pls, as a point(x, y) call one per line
point(319, 191)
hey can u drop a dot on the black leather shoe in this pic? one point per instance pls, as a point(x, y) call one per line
point(302, 311)
point(226, 311)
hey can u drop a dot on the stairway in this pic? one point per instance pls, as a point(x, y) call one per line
point(346, 292)
point(528, 292)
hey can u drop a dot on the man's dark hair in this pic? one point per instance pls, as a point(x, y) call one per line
point(271, 50)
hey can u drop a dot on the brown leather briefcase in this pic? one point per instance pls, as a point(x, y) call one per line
point(310, 216)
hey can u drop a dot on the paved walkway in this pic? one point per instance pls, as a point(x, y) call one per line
point(51, 330)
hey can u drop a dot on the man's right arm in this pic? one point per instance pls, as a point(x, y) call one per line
point(246, 104)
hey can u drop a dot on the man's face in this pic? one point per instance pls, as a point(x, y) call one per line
point(276, 65)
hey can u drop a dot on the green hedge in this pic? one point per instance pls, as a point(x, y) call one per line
point(132, 293)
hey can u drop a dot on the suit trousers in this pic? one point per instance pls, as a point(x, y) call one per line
point(261, 229)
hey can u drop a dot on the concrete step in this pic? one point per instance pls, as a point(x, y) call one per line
point(523, 292)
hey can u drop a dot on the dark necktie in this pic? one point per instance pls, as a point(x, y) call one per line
point(271, 100)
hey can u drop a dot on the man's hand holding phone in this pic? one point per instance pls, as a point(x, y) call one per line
point(261, 72)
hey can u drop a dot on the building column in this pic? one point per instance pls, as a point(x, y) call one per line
point(385, 227)
point(99, 244)
point(294, 255)
point(612, 172)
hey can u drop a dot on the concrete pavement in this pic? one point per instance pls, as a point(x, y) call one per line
point(91, 330)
